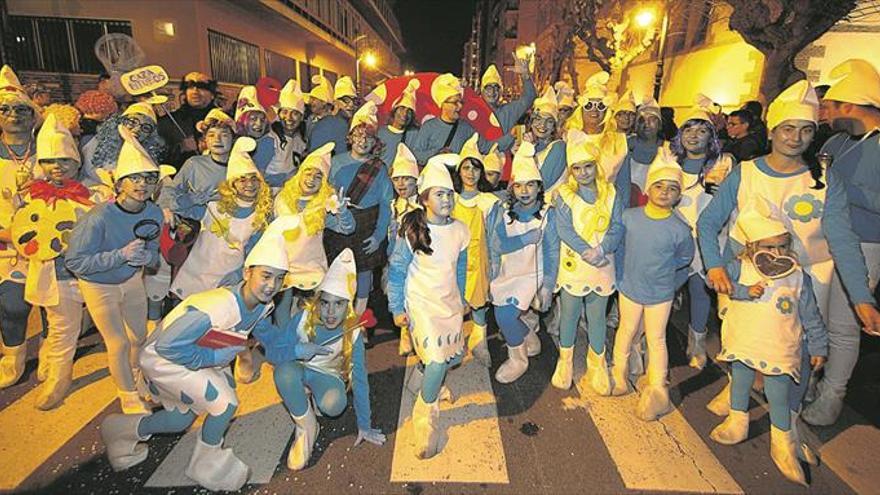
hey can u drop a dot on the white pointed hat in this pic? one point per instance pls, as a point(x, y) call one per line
point(319, 158)
point(341, 278)
point(134, 159)
point(470, 149)
point(664, 167)
point(757, 220)
point(321, 89)
point(855, 81)
point(797, 102)
point(404, 164)
point(247, 102)
point(140, 108)
point(55, 141)
point(344, 87)
point(240, 161)
point(444, 87)
point(626, 103)
point(408, 97)
point(700, 111)
point(565, 96)
point(546, 103)
point(270, 250)
point(292, 97)
point(596, 87)
point(494, 159)
point(367, 114)
point(578, 148)
point(215, 115)
point(491, 76)
point(12, 91)
point(649, 106)
point(525, 168)
point(436, 172)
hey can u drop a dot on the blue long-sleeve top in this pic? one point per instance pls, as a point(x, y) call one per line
point(177, 341)
point(858, 170)
point(568, 234)
point(343, 169)
point(263, 155)
point(509, 114)
point(842, 240)
point(94, 252)
point(198, 174)
point(330, 128)
point(398, 265)
point(432, 135)
point(808, 310)
point(500, 243)
point(554, 164)
point(391, 137)
point(653, 256)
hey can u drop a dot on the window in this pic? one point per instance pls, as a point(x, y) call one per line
point(233, 60)
point(331, 76)
point(58, 44)
point(307, 70)
point(280, 67)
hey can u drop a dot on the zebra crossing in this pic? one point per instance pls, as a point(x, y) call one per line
point(673, 454)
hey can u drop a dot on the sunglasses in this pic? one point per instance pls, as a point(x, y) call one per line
point(18, 109)
point(206, 85)
point(134, 124)
point(595, 105)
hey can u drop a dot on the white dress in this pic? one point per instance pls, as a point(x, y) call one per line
point(576, 276)
point(522, 272)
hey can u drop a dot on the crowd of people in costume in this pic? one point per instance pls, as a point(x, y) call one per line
point(591, 215)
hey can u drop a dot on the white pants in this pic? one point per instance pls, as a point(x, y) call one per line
point(844, 327)
point(654, 317)
point(65, 323)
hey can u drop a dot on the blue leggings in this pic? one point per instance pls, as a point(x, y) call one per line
point(433, 379)
point(700, 303)
point(174, 421)
point(282, 308)
point(571, 308)
point(291, 380)
point(14, 313)
point(365, 284)
point(511, 326)
point(480, 315)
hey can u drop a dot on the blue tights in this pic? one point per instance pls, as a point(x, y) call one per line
point(571, 307)
point(433, 380)
point(174, 421)
point(291, 380)
point(511, 326)
point(700, 303)
point(365, 284)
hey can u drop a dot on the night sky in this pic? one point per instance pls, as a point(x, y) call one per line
point(434, 32)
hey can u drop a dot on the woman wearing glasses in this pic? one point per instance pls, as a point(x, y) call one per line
point(595, 121)
point(109, 248)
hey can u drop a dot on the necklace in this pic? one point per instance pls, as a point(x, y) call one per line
point(19, 160)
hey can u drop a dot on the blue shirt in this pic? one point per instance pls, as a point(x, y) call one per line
point(343, 169)
point(391, 138)
point(433, 134)
point(842, 241)
point(554, 164)
point(95, 249)
point(655, 255)
point(858, 167)
point(332, 128)
point(198, 174)
point(568, 235)
point(509, 114)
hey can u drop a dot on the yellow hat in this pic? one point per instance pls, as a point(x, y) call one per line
point(700, 111)
point(11, 91)
point(855, 81)
point(758, 220)
point(546, 103)
point(140, 108)
point(407, 98)
point(578, 148)
point(367, 114)
point(796, 102)
point(271, 250)
point(215, 115)
point(565, 96)
point(404, 164)
point(55, 141)
point(444, 87)
point(664, 167)
point(494, 159)
point(247, 102)
point(320, 159)
point(649, 106)
point(525, 168)
point(491, 76)
point(436, 173)
point(596, 88)
point(240, 161)
point(321, 89)
point(470, 149)
point(344, 87)
point(134, 159)
point(626, 103)
point(292, 97)
point(341, 278)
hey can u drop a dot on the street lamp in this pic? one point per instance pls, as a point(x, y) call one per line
point(370, 60)
point(645, 18)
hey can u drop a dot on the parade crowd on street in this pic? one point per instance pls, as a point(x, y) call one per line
point(203, 242)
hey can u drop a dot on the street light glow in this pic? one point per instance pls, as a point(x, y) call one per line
point(645, 18)
point(370, 59)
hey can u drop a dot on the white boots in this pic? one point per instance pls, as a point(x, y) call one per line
point(597, 373)
point(132, 403)
point(653, 402)
point(517, 363)
point(696, 349)
point(562, 375)
point(247, 366)
point(533, 343)
point(720, 404)
point(783, 451)
point(619, 379)
point(43, 362)
point(426, 419)
point(55, 388)
point(478, 346)
point(12, 364)
point(216, 468)
point(122, 442)
point(305, 435)
point(826, 408)
point(733, 430)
